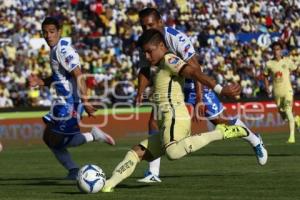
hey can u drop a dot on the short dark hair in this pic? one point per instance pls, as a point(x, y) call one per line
point(278, 43)
point(151, 36)
point(149, 11)
point(51, 21)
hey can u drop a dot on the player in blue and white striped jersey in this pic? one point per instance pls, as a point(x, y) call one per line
point(62, 122)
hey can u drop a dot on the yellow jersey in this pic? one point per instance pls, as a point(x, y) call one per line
point(168, 84)
point(280, 73)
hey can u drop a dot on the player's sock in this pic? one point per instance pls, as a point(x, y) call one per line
point(154, 167)
point(155, 164)
point(177, 150)
point(78, 139)
point(124, 169)
point(291, 120)
point(64, 158)
point(251, 138)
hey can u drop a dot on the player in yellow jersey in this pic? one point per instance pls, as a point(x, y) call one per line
point(279, 69)
point(174, 138)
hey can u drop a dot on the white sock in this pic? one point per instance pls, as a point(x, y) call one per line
point(251, 138)
point(154, 167)
point(78, 139)
point(64, 158)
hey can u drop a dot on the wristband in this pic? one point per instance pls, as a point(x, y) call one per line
point(218, 88)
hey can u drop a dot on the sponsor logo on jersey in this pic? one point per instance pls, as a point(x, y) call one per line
point(181, 39)
point(278, 74)
point(69, 59)
point(186, 48)
point(173, 60)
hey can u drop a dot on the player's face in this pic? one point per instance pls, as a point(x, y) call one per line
point(277, 51)
point(150, 22)
point(51, 34)
point(154, 52)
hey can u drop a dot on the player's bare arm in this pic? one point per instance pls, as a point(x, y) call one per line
point(194, 73)
point(143, 82)
point(35, 81)
point(266, 82)
point(88, 107)
point(199, 112)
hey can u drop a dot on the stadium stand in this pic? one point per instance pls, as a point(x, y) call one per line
point(232, 38)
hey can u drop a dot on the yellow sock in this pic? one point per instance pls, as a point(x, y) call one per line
point(192, 143)
point(124, 169)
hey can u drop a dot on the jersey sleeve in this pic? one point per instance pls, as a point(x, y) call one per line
point(181, 43)
point(174, 64)
point(68, 58)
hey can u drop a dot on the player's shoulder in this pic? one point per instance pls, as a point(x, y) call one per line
point(170, 59)
point(174, 33)
point(64, 47)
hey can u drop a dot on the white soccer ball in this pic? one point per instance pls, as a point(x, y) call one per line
point(91, 179)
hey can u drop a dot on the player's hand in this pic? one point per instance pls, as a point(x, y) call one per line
point(232, 90)
point(199, 111)
point(89, 109)
point(35, 81)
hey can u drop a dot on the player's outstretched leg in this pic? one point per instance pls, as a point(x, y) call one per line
point(256, 141)
point(100, 135)
point(177, 150)
point(123, 170)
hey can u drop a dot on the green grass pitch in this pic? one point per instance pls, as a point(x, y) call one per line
point(224, 170)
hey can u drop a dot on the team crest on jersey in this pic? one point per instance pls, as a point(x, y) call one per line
point(173, 60)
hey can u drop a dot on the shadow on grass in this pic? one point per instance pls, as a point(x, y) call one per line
point(45, 181)
point(240, 155)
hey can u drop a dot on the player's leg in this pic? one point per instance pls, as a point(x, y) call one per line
point(56, 144)
point(216, 114)
point(152, 175)
point(148, 149)
point(288, 109)
point(179, 142)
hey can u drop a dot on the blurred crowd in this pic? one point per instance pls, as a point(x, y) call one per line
point(105, 33)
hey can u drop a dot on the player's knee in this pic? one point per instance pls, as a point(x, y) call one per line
point(140, 151)
point(52, 140)
point(173, 153)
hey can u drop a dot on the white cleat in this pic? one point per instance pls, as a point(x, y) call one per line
point(100, 135)
point(261, 152)
point(150, 178)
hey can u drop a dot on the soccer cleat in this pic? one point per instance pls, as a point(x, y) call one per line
point(291, 140)
point(73, 174)
point(149, 178)
point(261, 152)
point(232, 131)
point(107, 189)
point(100, 135)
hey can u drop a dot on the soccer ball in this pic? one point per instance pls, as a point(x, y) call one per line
point(91, 179)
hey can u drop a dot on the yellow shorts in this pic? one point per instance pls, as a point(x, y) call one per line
point(171, 128)
point(284, 102)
